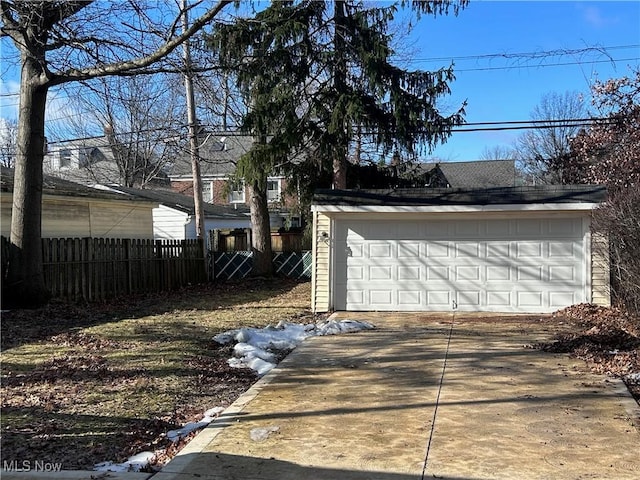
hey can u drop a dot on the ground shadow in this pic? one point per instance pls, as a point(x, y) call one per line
point(218, 466)
point(24, 326)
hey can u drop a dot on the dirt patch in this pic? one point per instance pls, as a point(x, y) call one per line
point(83, 384)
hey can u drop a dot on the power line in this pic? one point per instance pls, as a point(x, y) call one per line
point(480, 126)
point(544, 65)
point(530, 55)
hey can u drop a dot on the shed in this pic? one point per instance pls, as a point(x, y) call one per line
point(509, 249)
point(73, 210)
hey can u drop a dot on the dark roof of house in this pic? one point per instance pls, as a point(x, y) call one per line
point(185, 203)
point(58, 186)
point(462, 196)
point(476, 174)
point(219, 155)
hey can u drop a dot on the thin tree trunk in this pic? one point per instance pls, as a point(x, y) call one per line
point(261, 230)
point(340, 74)
point(24, 285)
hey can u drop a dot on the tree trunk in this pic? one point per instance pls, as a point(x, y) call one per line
point(24, 285)
point(340, 75)
point(339, 170)
point(261, 230)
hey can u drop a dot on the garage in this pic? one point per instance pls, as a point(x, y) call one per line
point(526, 249)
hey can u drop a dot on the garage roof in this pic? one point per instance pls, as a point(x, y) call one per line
point(546, 194)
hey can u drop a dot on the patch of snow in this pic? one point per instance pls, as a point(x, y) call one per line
point(259, 349)
point(134, 464)
point(209, 416)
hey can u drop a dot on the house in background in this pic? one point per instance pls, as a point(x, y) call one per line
point(70, 209)
point(219, 155)
point(174, 217)
point(476, 174)
point(91, 161)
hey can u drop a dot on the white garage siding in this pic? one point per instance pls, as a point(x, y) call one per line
point(505, 265)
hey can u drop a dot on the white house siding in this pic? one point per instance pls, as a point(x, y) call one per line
point(169, 223)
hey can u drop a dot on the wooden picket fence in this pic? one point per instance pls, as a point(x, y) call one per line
point(99, 268)
point(96, 269)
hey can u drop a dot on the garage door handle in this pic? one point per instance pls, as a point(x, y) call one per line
point(454, 305)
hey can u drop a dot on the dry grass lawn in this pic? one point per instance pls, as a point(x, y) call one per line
point(85, 384)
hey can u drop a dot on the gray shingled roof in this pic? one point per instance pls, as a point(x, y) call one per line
point(58, 186)
point(219, 156)
point(462, 196)
point(476, 174)
point(185, 203)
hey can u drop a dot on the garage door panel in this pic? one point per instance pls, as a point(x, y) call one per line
point(438, 230)
point(501, 299)
point(410, 298)
point(563, 249)
point(380, 273)
point(498, 228)
point(355, 250)
point(380, 250)
point(355, 273)
point(410, 273)
point(467, 273)
point(498, 249)
point(528, 273)
point(409, 250)
point(530, 227)
point(530, 299)
point(467, 249)
point(562, 273)
point(381, 297)
point(439, 298)
point(498, 273)
point(437, 249)
point(467, 229)
point(468, 298)
point(512, 265)
point(562, 299)
point(437, 273)
point(564, 227)
point(529, 249)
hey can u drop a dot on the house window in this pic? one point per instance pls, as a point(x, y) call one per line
point(273, 190)
point(207, 192)
point(236, 192)
point(65, 158)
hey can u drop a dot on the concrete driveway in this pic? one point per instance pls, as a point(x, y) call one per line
point(410, 401)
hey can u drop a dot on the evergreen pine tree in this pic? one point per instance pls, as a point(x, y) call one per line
point(317, 72)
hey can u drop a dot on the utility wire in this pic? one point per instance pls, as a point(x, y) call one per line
point(481, 126)
point(531, 55)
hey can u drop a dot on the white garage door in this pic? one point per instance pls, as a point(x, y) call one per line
point(501, 265)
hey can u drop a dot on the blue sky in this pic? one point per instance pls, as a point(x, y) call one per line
point(508, 89)
point(496, 89)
